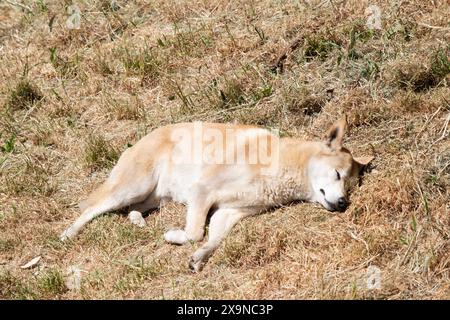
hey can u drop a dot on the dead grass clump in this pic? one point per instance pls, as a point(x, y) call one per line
point(411, 102)
point(441, 260)
point(124, 109)
point(144, 62)
point(99, 233)
point(402, 29)
point(109, 6)
point(51, 282)
point(308, 106)
point(299, 105)
point(262, 114)
point(136, 271)
point(437, 175)
point(14, 288)
point(27, 177)
point(270, 279)
point(370, 70)
point(395, 197)
point(229, 96)
point(49, 239)
point(43, 133)
point(254, 248)
point(103, 66)
point(189, 42)
point(361, 111)
point(440, 63)
point(24, 95)
point(99, 153)
point(67, 67)
point(417, 77)
point(231, 93)
point(385, 243)
point(319, 47)
point(47, 283)
point(7, 245)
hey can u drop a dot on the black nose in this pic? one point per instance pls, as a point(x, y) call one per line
point(342, 204)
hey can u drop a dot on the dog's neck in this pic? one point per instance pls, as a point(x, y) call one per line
point(290, 181)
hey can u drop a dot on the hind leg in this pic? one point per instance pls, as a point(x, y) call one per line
point(88, 214)
point(108, 198)
point(136, 210)
point(152, 202)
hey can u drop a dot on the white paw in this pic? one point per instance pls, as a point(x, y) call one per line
point(176, 236)
point(137, 219)
point(68, 234)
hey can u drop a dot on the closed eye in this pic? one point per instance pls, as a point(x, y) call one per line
point(338, 175)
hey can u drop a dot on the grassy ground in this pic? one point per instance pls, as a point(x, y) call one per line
point(71, 100)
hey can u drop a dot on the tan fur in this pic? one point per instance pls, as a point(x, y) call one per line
point(161, 166)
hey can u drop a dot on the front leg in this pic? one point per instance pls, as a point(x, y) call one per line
point(222, 221)
point(197, 212)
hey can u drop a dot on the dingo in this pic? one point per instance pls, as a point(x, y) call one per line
point(232, 171)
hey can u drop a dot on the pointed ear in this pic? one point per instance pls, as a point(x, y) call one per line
point(335, 134)
point(362, 162)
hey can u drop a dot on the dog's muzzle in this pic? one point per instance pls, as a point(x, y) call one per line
point(340, 206)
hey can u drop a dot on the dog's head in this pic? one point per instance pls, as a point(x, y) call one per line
point(334, 171)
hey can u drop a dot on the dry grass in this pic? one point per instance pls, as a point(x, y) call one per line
point(72, 100)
